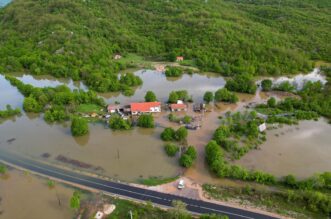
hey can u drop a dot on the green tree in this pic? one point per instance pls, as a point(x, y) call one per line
point(266, 84)
point(118, 123)
point(181, 134)
point(150, 96)
point(178, 210)
point(185, 160)
point(75, 200)
point(272, 102)
point(208, 96)
point(173, 71)
point(192, 152)
point(187, 119)
point(173, 97)
point(51, 184)
point(30, 104)
point(146, 121)
point(243, 83)
point(168, 134)
point(171, 149)
point(79, 126)
point(225, 95)
point(3, 169)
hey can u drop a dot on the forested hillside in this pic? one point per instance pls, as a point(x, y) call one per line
point(78, 38)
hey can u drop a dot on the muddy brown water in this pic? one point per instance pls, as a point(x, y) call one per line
point(26, 196)
point(139, 153)
point(125, 155)
point(302, 150)
point(196, 85)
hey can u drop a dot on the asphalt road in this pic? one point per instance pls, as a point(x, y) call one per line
point(164, 199)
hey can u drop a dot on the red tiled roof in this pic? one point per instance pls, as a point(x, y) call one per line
point(177, 106)
point(144, 107)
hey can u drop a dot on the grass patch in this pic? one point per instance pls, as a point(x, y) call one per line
point(88, 108)
point(273, 201)
point(131, 60)
point(154, 181)
point(188, 63)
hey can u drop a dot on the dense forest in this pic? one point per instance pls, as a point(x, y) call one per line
point(78, 39)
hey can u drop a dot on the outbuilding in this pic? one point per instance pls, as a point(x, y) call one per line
point(176, 107)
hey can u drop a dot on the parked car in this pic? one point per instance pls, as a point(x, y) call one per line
point(181, 184)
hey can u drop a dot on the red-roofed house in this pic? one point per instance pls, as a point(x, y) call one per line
point(147, 107)
point(178, 107)
point(179, 58)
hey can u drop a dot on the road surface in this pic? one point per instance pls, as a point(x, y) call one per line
point(196, 206)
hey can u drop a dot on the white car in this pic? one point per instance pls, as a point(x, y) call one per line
point(181, 184)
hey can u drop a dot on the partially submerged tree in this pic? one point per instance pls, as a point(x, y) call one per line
point(79, 126)
point(75, 200)
point(146, 121)
point(150, 96)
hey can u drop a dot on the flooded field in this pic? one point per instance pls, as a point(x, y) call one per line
point(301, 150)
point(196, 85)
point(138, 153)
point(125, 155)
point(9, 95)
point(27, 196)
point(49, 81)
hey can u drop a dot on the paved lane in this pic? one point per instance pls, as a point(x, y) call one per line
point(164, 199)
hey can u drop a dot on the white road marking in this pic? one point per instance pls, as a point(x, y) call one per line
point(146, 195)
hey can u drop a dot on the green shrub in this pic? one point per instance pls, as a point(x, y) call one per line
point(146, 121)
point(79, 126)
point(171, 149)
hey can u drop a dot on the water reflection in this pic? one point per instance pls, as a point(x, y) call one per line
point(49, 81)
point(196, 85)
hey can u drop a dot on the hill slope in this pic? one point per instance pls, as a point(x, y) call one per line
point(76, 38)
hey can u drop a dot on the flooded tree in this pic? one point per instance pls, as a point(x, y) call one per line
point(79, 127)
point(171, 149)
point(3, 169)
point(208, 97)
point(181, 134)
point(266, 84)
point(118, 123)
point(75, 200)
point(146, 121)
point(150, 96)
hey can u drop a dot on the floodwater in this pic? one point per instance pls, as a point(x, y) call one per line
point(27, 196)
point(9, 95)
point(299, 80)
point(139, 153)
point(301, 150)
point(49, 81)
point(196, 85)
point(124, 155)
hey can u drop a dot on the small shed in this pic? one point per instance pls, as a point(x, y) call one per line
point(179, 58)
point(117, 56)
point(262, 127)
point(176, 107)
